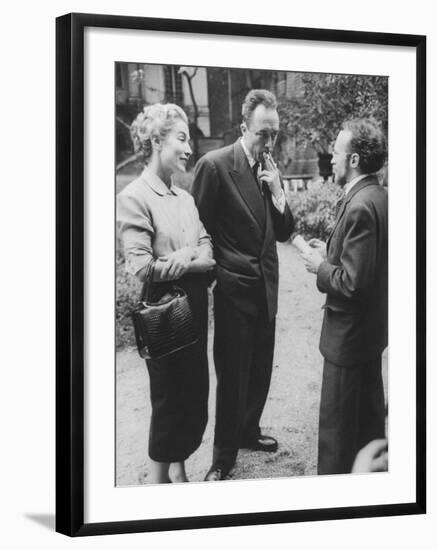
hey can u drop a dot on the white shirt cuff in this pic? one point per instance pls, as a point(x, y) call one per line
point(279, 204)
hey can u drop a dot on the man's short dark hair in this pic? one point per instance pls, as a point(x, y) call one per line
point(369, 142)
point(255, 98)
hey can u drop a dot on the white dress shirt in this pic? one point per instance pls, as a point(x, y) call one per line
point(353, 182)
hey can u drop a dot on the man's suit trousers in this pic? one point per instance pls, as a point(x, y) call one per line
point(352, 413)
point(243, 357)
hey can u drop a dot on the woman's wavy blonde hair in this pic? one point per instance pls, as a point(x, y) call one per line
point(154, 120)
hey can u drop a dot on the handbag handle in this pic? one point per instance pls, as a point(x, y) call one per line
point(148, 279)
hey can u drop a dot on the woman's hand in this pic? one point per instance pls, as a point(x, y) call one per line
point(176, 264)
point(202, 264)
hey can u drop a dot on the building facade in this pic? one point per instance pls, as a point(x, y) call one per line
point(211, 97)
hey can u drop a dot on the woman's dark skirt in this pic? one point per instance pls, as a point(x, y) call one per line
point(179, 386)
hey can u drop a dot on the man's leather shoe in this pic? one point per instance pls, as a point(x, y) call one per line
point(261, 443)
point(215, 474)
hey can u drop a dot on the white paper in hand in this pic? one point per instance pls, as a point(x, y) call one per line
point(300, 243)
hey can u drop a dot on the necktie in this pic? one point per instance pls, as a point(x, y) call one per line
point(255, 175)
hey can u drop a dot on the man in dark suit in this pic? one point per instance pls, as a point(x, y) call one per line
point(352, 269)
point(239, 193)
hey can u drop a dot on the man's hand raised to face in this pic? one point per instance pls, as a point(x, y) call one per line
point(271, 176)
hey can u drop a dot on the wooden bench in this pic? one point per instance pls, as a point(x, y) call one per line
point(294, 182)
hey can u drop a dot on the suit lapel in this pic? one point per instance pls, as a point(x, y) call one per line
point(244, 181)
point(369, 180)
point(338, 217)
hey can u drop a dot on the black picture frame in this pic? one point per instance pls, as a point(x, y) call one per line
point(70, 273)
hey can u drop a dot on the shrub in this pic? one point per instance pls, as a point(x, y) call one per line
point(128, 288)
point(314, 209)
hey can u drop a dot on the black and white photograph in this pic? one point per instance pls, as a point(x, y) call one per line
point(251, 267)
point(220, 248)
point(240, 303)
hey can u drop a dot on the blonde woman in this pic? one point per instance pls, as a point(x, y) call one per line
point(160, 222)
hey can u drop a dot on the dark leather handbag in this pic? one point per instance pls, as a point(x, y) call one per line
point(165, 326)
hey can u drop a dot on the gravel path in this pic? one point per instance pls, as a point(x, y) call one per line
point(291, 411)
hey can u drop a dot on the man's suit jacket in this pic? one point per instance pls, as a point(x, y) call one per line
point(355, 278)
point(244, 226)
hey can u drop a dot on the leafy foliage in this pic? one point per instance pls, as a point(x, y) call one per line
point(327, 101)
point(127, 292)
point(314, 210)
